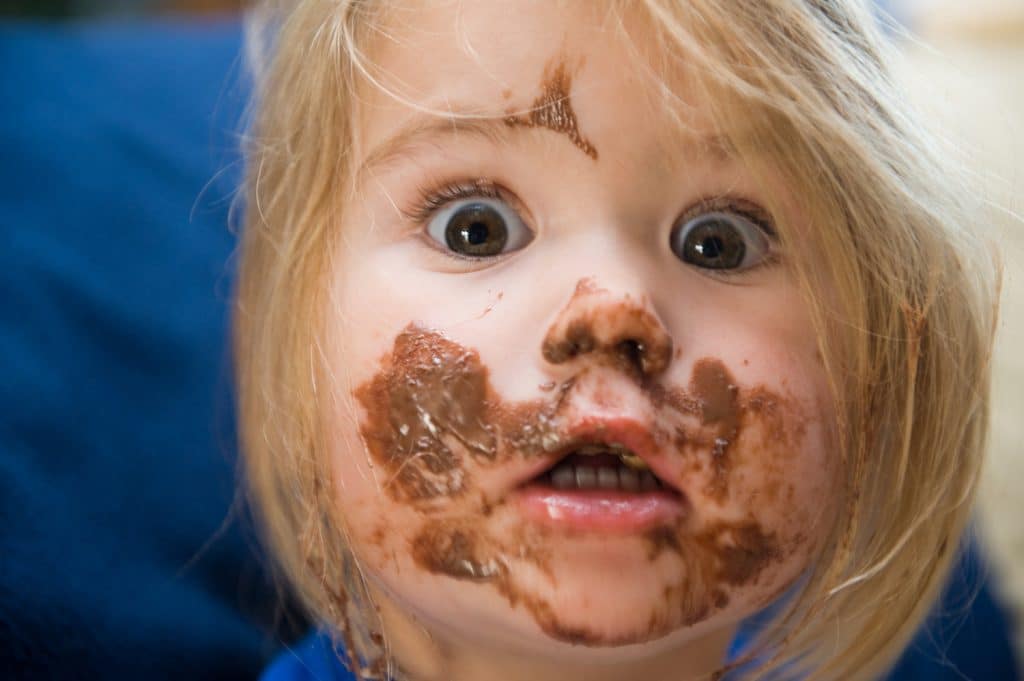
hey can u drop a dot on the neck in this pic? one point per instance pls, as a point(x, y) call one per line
point(425, 654)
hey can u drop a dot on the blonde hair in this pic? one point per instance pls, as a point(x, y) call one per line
point(905, 337)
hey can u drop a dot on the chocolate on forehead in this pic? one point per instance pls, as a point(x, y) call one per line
point(553, 109)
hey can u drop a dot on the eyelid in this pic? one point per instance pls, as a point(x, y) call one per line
point(731, 204)
point(432, 198)
point(734, 209)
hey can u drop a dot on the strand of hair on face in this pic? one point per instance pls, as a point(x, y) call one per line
point(311, 545)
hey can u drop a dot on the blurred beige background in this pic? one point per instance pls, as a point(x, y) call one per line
point(969, 74)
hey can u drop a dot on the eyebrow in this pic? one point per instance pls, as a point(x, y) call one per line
point(425, 127)
point(497, 130)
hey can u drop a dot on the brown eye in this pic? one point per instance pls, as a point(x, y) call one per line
point(720, 241)
point(476, 229)
point(479, 228)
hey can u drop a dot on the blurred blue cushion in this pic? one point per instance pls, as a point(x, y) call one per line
point(120, 553)
point(967, 637)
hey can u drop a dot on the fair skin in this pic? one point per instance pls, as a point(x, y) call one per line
point(589, 315)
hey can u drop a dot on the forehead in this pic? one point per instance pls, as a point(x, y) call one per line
point(496, 58)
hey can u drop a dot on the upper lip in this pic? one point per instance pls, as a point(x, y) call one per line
point(607, 431)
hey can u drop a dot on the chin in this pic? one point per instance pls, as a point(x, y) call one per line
point(614, 630)
point(614, 593)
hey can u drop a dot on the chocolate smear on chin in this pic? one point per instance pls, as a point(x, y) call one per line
point(723, 556)
point(462, 551)
point(455, 552)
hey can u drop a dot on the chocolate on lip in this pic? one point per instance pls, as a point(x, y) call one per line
point(591, 447)
point(624, 454)
point(629, 434)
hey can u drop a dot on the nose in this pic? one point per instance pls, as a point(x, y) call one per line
point(606, 325)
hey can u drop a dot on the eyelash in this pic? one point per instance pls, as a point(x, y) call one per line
point(732, 204)
point(431, 198)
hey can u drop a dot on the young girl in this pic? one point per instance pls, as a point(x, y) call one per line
point(574, 335)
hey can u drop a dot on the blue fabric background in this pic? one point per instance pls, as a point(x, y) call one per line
point(120, 556)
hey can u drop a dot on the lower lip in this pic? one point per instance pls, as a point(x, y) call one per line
point(599, 510)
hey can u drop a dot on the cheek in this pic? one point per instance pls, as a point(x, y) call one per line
point(782, 461)
point(756, 461)
point(777, 469)
point(378, 530)
point(784, 472)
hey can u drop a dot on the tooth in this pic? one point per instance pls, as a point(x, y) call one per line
point(607, 478)
point(633, 461)
point(586, 478)
point(648, 482)
point(563, 477)
point(629, 480)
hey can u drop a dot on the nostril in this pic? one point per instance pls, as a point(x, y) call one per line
point(578, 339)
point(617, 328)
point(581, 338)
point(632, 351)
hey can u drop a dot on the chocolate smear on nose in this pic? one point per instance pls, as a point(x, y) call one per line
point(621, 333)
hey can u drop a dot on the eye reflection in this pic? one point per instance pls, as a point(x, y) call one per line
point(720, 240)
point(476, 229)
point(479, 227)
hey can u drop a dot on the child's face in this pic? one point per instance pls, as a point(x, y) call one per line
point(586, 298)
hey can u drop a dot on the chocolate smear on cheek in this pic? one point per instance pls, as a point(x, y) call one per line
point(553, 110)
point(429, 410)
point(718, 402)
point(425, 410)
point(749, 552)
point(431, 406)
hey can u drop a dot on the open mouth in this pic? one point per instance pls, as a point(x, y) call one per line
point(601, 486)
point(600, 466)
